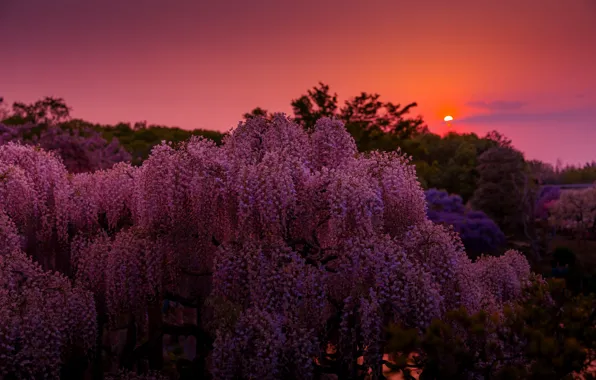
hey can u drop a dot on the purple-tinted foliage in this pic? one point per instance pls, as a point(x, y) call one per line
point(440, 200)
point(478, 232)
point(547, 195)
point(81, 150)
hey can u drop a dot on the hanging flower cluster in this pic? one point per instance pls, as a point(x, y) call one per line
point(43, 317)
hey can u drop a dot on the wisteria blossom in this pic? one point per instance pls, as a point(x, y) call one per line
point(575, 210)
point(299, 244)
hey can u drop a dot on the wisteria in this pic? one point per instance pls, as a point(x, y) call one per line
point(305, 244)
point(546, 198)
point(479, 234)
point(44, 319)
point(81, 150)
point(575, 210)
point(35, 193)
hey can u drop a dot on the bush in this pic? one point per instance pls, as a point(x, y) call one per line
point(549, 334)
point(478, 232)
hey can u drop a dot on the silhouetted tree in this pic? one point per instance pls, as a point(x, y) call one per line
point(257, 112)
point(543, 172)
point(140, 125)
point(373, 124)
point(498, 138)
point(48, 110)
point(316, 104)
point(370, 114)
point(502, 175)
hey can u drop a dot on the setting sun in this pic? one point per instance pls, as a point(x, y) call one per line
point(448, 118)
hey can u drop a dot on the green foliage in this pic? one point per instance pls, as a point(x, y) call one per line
point(501, 186)
point(137, 140)
point(449, 162)
point(443, 351)
point(578, 174)
point(550, 335)
point(140, 140)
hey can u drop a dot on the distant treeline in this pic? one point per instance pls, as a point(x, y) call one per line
point(140, 138)
point(442, 162)
point(136, 138)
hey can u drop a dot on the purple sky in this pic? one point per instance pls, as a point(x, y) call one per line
point(526, 68)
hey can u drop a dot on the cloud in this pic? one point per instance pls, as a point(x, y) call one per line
point(576, 115)
point(498, 105)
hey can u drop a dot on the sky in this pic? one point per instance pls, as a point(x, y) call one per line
point(526, 68)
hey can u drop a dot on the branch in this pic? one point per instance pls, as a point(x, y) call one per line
point(327, 259)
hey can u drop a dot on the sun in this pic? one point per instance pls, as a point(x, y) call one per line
point(448, 118)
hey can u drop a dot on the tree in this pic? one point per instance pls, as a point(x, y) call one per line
point(369, 114)
point(257, 112)
point(545, 173)
point(508, 192)
point(575, 211)
point(317, 103)
point(373, 123)
point(140, 125)
point(49, 110)
point(529, 191)
point(499, 139)
point(502, 173)
point(287, 241)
